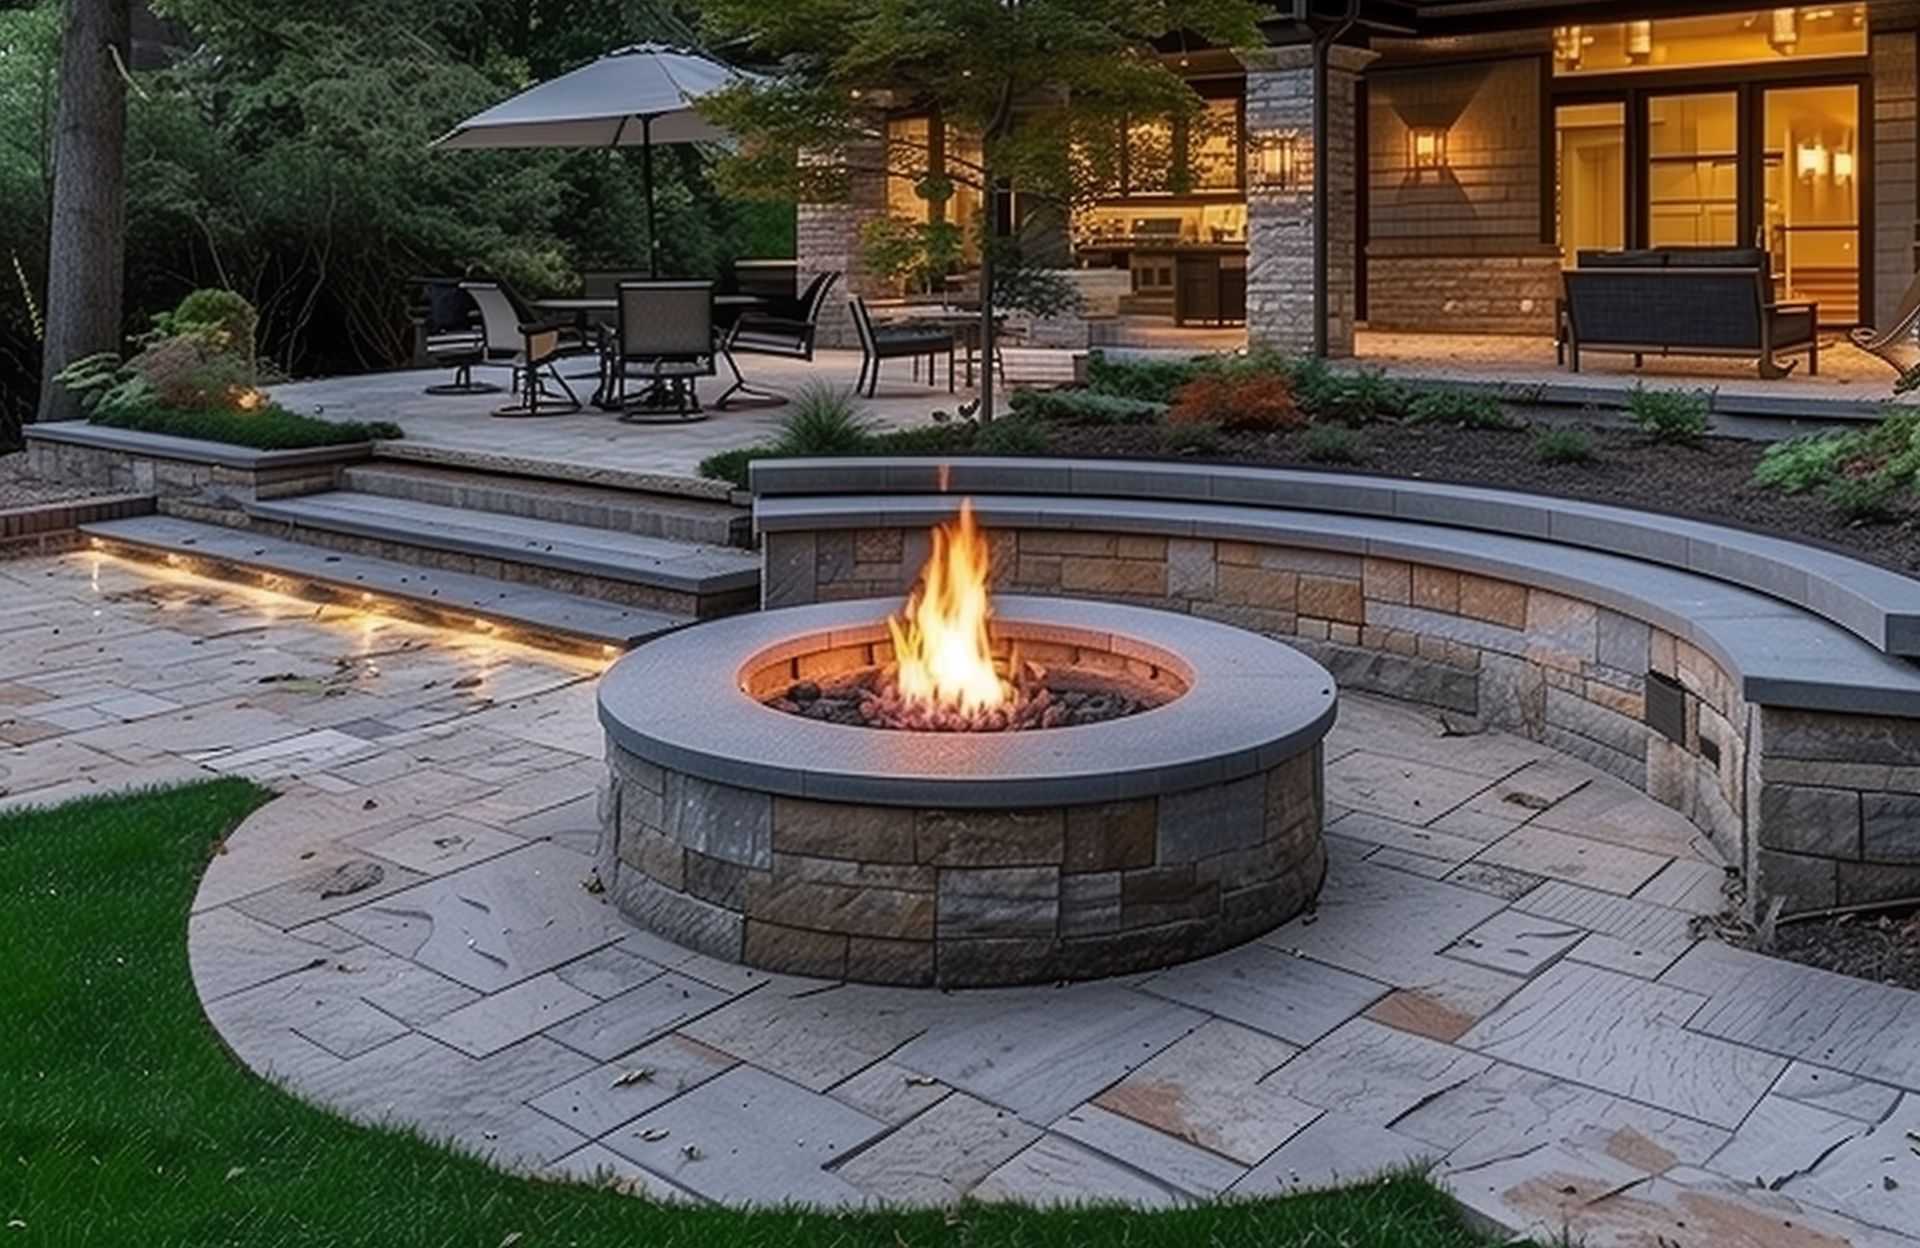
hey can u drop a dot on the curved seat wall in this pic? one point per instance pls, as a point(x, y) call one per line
point(1784, 734)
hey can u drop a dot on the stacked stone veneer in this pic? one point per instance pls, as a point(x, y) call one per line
point(1839, 807)
point(900, 895)
point(1822, 809)
point(1281, 221)
point(187, 487)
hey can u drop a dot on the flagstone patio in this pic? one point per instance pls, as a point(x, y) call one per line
point(1503, 978)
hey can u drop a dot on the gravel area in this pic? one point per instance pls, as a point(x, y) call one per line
point(1710, 481)
point(18, 489)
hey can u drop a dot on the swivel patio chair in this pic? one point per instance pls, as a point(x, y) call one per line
point(533, 349)
point(663, 337)
point(454, 337)
point(1898, 344)
point(899, 342)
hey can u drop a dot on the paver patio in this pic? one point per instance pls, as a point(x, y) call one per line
point(1514, 994)
point(592, 440)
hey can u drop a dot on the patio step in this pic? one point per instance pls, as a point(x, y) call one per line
point(678, 578)
point(430, 595)
point(707, 522)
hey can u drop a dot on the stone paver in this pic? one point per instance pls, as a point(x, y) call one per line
point(1412, 1017)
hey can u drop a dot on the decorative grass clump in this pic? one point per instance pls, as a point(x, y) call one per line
point(124, 1121)
point(1564, 446)
point(1677, 416)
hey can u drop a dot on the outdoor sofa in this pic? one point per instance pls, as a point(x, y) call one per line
point(1685, 301)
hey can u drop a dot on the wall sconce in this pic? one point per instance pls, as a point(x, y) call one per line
point(1640, 41)
point(1811, 161)
point(1783, 31)
point(1843, 167)
point(1283, 161)
point(1426, 150)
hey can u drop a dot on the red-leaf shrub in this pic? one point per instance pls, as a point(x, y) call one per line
point(1263, 402)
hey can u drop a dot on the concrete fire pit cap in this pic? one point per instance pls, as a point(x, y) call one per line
point(1251, 704)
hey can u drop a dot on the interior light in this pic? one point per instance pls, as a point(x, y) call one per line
point(1812, 161)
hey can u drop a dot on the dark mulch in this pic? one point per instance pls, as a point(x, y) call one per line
point(1883, 948)
point(1710, 481)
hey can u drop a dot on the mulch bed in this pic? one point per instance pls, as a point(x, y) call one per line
point(18, 489)
point(1710, 481)
point(1883, 948)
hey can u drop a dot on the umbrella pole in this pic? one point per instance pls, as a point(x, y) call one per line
point(653, 219)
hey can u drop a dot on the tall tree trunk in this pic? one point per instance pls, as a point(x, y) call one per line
point(87, 246)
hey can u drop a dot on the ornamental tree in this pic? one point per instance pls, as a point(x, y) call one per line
point(1038, 93)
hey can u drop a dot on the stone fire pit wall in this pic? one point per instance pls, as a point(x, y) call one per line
point(963, 859)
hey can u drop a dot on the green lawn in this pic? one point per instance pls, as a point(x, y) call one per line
point(124, 1123)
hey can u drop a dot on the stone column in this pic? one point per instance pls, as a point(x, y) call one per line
point(1280, 219)
point(827, 240)
point(1894, 171)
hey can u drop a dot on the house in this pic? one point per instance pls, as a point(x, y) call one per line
point(1468, 150)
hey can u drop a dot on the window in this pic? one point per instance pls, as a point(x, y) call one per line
point(1789, 33)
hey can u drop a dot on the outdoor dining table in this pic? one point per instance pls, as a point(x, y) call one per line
point(586, 309)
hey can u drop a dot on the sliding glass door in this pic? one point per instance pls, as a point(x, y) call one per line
point(1692, 148)
point(1811, 217)
point(1754, 164)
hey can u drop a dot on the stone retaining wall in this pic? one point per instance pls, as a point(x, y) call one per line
point(896, 895)
point(184, 483)
point(1813, 807)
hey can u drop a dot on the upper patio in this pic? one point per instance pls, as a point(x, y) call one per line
point(591, 444)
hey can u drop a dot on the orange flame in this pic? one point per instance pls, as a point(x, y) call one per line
point(941, 640)
point(247, 399)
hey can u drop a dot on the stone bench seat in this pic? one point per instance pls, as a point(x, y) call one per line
point(1783, 655)
point(1761, 687)
point(1880, 606)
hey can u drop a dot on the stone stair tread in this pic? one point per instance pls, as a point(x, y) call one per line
point(604, 553)
point(391, 479)
point(525, 606)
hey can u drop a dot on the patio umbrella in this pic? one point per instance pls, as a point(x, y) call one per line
point(636, 97)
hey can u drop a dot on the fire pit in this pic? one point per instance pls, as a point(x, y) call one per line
point(971, 793)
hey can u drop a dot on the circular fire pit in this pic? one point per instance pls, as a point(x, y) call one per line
point(964, 858)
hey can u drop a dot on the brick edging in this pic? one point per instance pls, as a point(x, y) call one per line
point(54, 527)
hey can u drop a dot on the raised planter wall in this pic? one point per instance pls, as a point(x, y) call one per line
point(186, 477)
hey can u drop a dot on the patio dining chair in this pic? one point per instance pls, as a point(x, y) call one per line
point(532, 348)
point(664, 337)
point(1899, 343)
point(454, 336)
point(898, 342)
point(784, 328)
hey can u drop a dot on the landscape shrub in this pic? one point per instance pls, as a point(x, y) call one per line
point(1564, 446)
point(1255, 402)
point(1193, 439)
point(1678, 416)
point(1351, 398)
point(1086, 407)
point(1334, 444)
point(267, 428)
point(226, 316)
point(1011, 435)
point(1155, 381)
point(1460, 409)
point(1862, 473)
